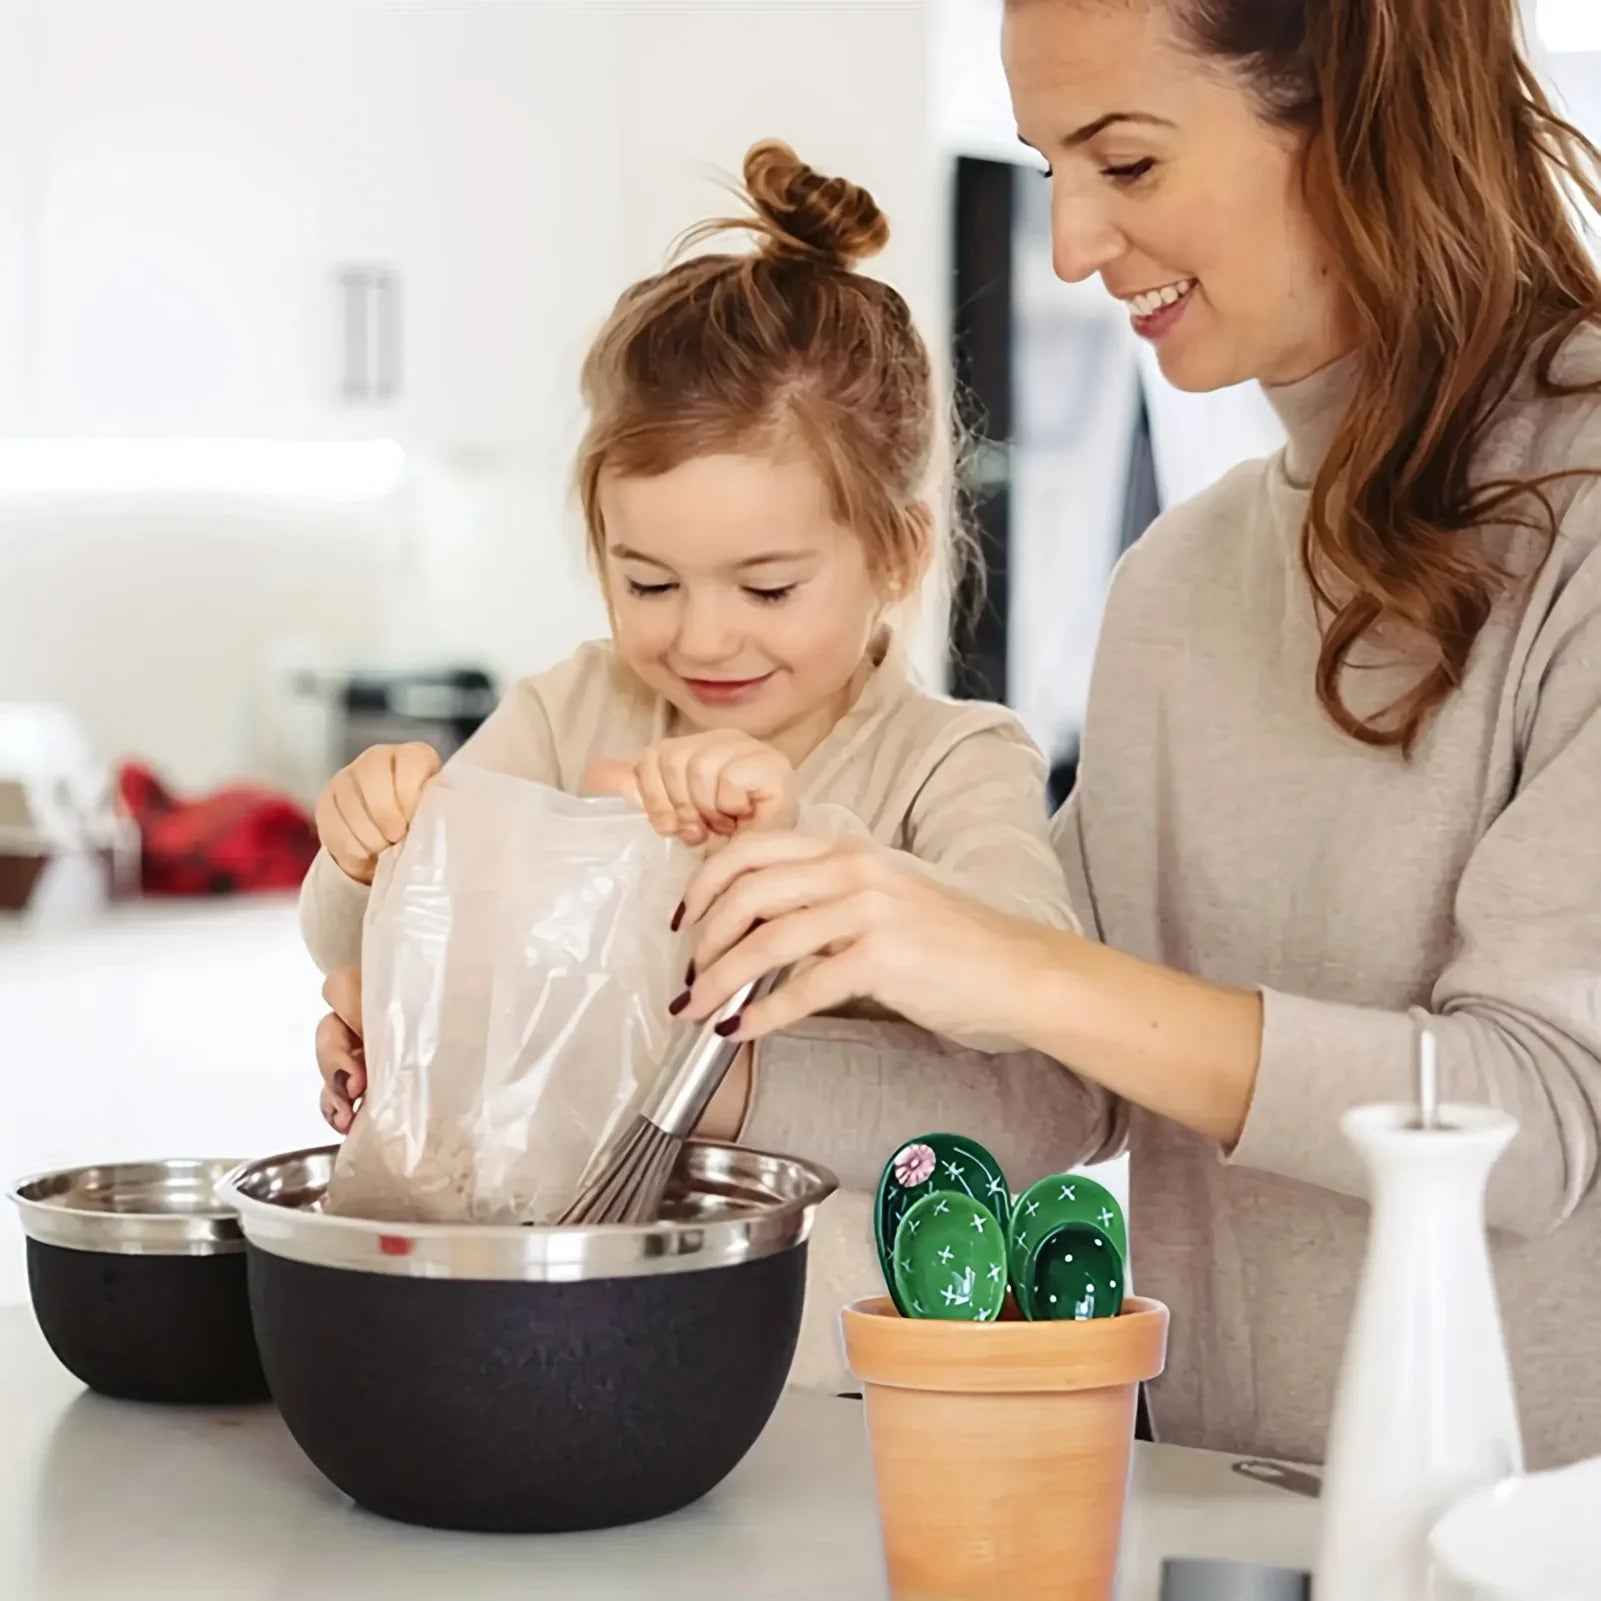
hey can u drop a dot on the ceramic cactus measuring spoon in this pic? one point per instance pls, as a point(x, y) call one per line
point(928, 1165)
point(1074, 1272)
point(1047, 1205)
point(949, 1260)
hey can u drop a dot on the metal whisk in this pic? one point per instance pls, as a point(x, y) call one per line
point(632, 1177)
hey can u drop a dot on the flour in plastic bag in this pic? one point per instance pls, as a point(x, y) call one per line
point(517, 964)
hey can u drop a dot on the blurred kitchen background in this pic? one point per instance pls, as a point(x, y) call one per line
point(292, 299)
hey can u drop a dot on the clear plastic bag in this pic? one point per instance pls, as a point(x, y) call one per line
point(517, 965)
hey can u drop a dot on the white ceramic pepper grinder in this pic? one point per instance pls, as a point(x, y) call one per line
point(1424, 1412)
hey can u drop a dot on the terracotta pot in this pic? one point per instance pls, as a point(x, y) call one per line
point(1001, 1450)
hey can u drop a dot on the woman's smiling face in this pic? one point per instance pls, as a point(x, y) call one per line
point(1169, 182)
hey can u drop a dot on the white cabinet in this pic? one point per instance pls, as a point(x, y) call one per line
point(305, 218)
point(500, 204)
point(357, 218)
point(181, 279)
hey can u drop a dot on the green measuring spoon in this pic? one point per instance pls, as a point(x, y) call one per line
point(1062, 1198)
point(928, 1165)
point(949, 1260)
point(1074, 1272)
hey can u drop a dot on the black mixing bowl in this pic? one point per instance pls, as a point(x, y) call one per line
point(530, 1380)
point(137, 1275)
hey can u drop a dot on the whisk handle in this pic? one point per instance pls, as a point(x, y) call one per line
point(681, 1095)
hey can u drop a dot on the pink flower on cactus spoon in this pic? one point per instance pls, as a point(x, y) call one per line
point(913, 1165)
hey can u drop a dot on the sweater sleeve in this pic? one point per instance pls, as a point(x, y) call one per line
point(515, 738)
point(846, 1093)
point(981, 825)
point(1517, 1011)
point(978, 823)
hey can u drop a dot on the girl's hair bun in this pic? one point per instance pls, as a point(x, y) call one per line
point(802, 213)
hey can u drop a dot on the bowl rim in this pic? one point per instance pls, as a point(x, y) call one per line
point(1487, 1505)
point(47, 1219)
point(529, 1254)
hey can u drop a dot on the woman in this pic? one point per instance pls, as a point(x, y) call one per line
point(1342, 760)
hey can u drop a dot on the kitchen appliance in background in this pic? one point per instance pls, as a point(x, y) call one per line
point(312, 719)
point(441, 707)
point(1209, 1579)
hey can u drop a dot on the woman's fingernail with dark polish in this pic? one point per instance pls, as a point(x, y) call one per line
point(342, 1083)
point(730, 1025)
point(675, 1007)
point(678, 917)
point(689, 977)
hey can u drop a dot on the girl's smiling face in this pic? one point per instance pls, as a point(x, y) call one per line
point(736, 595)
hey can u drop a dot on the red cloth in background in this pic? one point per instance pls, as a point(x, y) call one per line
point(241, 839)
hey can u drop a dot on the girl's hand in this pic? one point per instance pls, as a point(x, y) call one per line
point(368, 806)
point(877, 927)
point(340, 1056)
point(704, 785)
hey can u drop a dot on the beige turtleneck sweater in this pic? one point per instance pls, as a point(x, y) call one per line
point(1223, 825)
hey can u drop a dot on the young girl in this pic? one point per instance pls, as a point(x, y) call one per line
point(754, 480)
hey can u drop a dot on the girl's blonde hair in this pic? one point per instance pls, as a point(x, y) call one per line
point(781, 348)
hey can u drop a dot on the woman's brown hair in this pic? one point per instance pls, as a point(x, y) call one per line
point(780, 348)
point(1443, 181)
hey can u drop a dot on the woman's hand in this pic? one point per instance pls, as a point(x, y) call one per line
point(340, 1055)
point(875, 925)
point(705, 785)
point(368, 806)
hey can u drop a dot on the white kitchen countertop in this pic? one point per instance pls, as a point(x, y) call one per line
point(104, 1499)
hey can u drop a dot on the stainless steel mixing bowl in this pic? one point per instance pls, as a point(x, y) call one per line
point(531, 1379)
point(137, 1274)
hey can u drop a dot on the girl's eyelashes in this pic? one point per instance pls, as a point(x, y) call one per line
point(765, 597)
